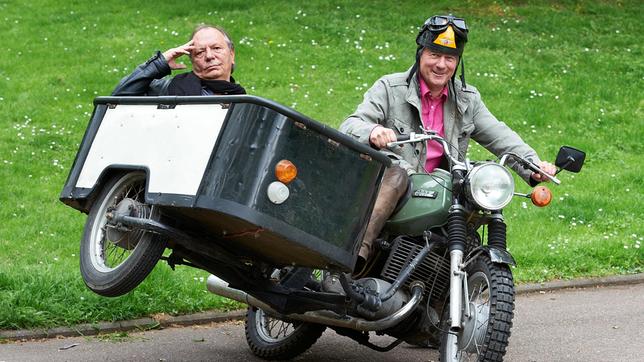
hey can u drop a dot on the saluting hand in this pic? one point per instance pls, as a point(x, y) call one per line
point(171, 55)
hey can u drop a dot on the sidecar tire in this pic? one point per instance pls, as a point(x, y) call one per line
point(303, 336)
point(98, 275)
point(497, 278)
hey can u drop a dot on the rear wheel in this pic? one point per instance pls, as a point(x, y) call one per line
point(113, 258)
point(485, 333)
point(275, 339)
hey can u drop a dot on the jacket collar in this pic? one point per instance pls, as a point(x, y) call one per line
point(413, 93)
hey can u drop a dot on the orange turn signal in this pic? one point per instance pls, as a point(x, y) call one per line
point(285, 171)
point(541, 196)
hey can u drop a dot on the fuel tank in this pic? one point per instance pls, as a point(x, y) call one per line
point(426, 206)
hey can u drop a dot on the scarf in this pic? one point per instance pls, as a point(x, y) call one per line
point(188, 84)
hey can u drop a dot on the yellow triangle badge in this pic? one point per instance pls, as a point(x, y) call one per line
point(446, 38)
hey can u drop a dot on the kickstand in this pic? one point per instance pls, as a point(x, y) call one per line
point(363, 339)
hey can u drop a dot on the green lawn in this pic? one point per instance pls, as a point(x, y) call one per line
point(558, 72)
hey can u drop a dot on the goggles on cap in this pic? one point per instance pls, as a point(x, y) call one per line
point(441, 22)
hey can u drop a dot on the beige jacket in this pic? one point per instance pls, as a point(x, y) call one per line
point(395, 103)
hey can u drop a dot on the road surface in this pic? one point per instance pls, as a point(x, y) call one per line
point(594, 324)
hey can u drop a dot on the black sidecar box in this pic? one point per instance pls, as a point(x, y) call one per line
point(210, 161)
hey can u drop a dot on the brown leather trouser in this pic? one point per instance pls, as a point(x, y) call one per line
point(393, 186)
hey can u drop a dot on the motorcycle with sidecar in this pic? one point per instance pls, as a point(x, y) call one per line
point(274, 205)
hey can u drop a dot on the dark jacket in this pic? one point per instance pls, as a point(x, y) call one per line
point(146, 79)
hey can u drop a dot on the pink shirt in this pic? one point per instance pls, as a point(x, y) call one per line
point(432, 117)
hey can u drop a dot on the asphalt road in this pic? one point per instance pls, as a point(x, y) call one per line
point(594, 324)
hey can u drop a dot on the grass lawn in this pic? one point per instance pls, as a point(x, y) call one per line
point(558, 72)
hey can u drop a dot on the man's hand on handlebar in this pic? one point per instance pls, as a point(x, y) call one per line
point(381, 135)
point(548, 168)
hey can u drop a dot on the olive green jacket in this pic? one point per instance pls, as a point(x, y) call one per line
point(395, 103)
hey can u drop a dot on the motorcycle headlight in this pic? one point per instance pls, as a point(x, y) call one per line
point(490, 186)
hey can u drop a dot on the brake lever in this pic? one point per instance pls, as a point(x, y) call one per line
point(411, 138)
point(403, 139)
point(529, 165)
point(536, 168)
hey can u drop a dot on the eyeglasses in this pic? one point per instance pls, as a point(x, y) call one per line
point(440, 23)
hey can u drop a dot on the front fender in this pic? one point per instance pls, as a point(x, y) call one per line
point(500, 256)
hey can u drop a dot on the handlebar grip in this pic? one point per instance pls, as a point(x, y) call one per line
point(402, 137)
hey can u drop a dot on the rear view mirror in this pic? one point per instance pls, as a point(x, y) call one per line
point(570, 159)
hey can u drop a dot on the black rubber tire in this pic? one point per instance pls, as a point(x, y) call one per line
point(500, 306)
point(302, 337)
point(113, 281)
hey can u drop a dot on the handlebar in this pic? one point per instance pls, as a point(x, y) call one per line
point(529, 165)
point(415, 137)
point(429, 136)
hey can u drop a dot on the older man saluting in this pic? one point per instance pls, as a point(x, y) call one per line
point(428, 96)
point(212, 54)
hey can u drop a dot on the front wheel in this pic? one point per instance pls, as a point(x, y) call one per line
point(115, 259)
point(485, 332)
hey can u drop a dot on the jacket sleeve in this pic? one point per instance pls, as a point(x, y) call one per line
point(372, 112)
point(146, 80)
point(498, 138)
point(369, 114)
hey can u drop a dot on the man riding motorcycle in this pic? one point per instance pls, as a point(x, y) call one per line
point(427, 96)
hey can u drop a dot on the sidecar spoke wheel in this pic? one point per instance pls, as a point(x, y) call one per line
point(485, 333)
point(114, 259)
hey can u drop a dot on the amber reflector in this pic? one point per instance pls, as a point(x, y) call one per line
point(541, 196)
point(285, 171)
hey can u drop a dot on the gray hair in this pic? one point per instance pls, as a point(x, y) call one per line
point(200, 27)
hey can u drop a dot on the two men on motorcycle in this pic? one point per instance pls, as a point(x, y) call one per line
point(429, 97)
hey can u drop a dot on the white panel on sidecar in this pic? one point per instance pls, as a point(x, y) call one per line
point(174, 144)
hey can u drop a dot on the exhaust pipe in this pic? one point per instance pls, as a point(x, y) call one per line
point(220, 287)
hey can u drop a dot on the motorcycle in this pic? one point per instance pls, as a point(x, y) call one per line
point(274, 204)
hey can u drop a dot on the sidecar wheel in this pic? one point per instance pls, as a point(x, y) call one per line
point(113, 261)
point(485, 334)
point(273, 339)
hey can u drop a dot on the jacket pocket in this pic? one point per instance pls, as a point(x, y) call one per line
point(400, 127)
point(466, 130)
point(464, 137)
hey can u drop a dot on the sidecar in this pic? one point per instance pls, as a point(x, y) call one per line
point(210, 173)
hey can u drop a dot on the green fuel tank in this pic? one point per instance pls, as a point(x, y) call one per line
point(427, 207)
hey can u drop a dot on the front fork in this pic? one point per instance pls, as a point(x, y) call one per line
point(457, 234)
point(457, 230)
point(458, 288)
